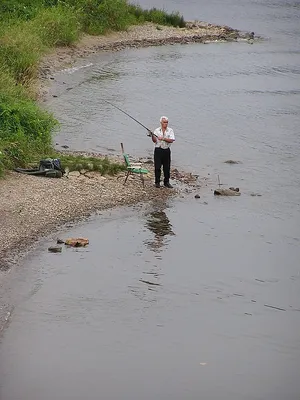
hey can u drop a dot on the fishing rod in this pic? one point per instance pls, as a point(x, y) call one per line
point(124, 112)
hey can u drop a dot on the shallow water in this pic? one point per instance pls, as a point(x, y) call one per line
point(184, 299)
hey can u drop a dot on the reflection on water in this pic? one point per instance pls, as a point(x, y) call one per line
point(158, 223)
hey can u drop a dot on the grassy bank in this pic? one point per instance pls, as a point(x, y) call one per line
point(28, 30)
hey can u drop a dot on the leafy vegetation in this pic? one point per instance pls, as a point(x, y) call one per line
point(28, 30)
point(102, 165)
point(157, 16)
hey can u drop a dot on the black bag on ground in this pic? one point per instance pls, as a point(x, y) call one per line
point(49, 167)
point(52, 164)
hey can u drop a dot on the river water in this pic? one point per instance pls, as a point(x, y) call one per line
point(192, 298)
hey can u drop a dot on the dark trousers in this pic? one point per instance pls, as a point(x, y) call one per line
point(162, 157)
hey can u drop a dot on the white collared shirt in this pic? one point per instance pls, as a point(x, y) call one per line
point(169, 133)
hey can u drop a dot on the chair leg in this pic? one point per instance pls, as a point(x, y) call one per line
point(142, 178)
point(128, 172)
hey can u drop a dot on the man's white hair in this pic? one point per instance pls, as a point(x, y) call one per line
point(163, 117)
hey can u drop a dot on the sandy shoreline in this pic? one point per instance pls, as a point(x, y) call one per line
point(33, 206)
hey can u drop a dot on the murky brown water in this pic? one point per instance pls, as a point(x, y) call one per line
point(190, 299)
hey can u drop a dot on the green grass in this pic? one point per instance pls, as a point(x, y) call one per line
point(20, 52)
point(100, 17)
point(25, 131)
point(28, 30)
point(57, 26)
point(102, 165)
point(157, 16)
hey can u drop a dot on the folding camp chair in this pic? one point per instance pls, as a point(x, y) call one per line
point(133, 168)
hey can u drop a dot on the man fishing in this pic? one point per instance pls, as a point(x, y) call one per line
point(163, 137)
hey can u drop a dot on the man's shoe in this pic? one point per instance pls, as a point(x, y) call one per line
point(168, 185)
point(157, 185)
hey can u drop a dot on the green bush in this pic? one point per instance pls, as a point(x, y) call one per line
point(25, 130)
point(19, 9)
point(20, 52)
point(9, 87)
point(25, 117)
point(157, 16)
point(99, 16)
point(57, 26)
point(115, 14)
point(20, 151)
point(175, 19)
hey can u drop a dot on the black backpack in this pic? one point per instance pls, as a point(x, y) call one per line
point(50, 167)
point(51, 164)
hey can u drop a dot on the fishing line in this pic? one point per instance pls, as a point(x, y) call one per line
point(150, 132)
point(130, 116)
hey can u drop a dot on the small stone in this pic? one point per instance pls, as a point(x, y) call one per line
point(226, 192)
point(197, 196)
point(91, 174)
point(232, 162)
point(55, 249)
point(74, 174)
point(77, 242)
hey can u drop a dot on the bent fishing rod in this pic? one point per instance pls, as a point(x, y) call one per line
point(150, 133)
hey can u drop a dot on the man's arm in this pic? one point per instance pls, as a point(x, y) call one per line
point(154, 138)
point(170, 139)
